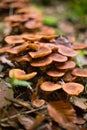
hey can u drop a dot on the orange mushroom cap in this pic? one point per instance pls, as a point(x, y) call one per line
point(66, 65)
point(20, 74)
point(79, 72)
point(38, 102)
point(73, 88)
point(41, 62)
point(49, 86)
point(55, 72)
point(33, 24)
point(14, 39)
point(67, 51)
point(43, 51)
point(79, 46)
point(58, 57)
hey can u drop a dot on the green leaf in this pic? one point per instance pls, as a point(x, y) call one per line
point(50, 21)
point(16, 82)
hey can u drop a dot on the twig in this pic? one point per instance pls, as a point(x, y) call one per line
point(25, 112)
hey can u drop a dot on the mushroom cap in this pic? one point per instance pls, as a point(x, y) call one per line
point(47, 30)
point(33, 24)
point(23, 58)
point(38, 102)
point(79, 72)
point(67, 51)
point(14, 39)
point(14, 18)
point(55, 72)
point(68, 77)
point(43, 51)
point(79, 46)
point(66, 65)
point(17, 49)
point(73, 88)
point(58, 57)
point(41, 62)
point(20, 74)
point(53, 47)
point(49, 86)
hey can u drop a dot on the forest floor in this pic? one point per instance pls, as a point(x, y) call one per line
point(23, 105)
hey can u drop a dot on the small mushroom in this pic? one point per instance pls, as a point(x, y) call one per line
point(79, 46)
point(69, 77)
point(38, 102)
point(23, 58)
point(66, 51)
point(14, 39)
point(33, 24)
point(43, 51)
point(49, 86)
point(58, 57)
point(20, 74)
point(79, 72)
point(55, 72)
point(73, 88)
point(66, 65)
point(41, 62)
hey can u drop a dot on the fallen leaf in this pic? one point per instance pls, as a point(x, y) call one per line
point(79, 102)
point(63, 113)
point(4, 92)
point(25, 121)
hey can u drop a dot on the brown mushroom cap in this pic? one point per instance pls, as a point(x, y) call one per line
point(73, 88)
point(58, 57)
point(66, 65)
point(23, 58)
point(17, 49)
point(68, 77)
point(79, 46)
point(79, 72)
point(38, 102)
point(20, 74)
point(41, 62)
point(33, 24)
point(66, 51)
point(14, 18)
point(43, 51)
point(49, 86)
point(14, 39)
point(55, 73)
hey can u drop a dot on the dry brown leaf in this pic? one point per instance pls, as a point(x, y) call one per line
point(63, 113)
point(79, 102)
point(25, 121)
point(4, 92)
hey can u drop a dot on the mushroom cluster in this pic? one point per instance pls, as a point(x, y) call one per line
point(12, 4)
point(50, 56)
point(27, 19)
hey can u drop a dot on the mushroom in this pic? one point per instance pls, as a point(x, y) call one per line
point(66, 51)
point(50, 86)
point(14, 39)
point(38, 102)
point(79, 72)
point(58, 57)
point(20, 74)
point(43, 51)
point(33, 24)
point(41, 62)
point(68, 77)
point(55, 72)
point(73, 88)
point(23, 58)
point(79, 46)
point(66, 65)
